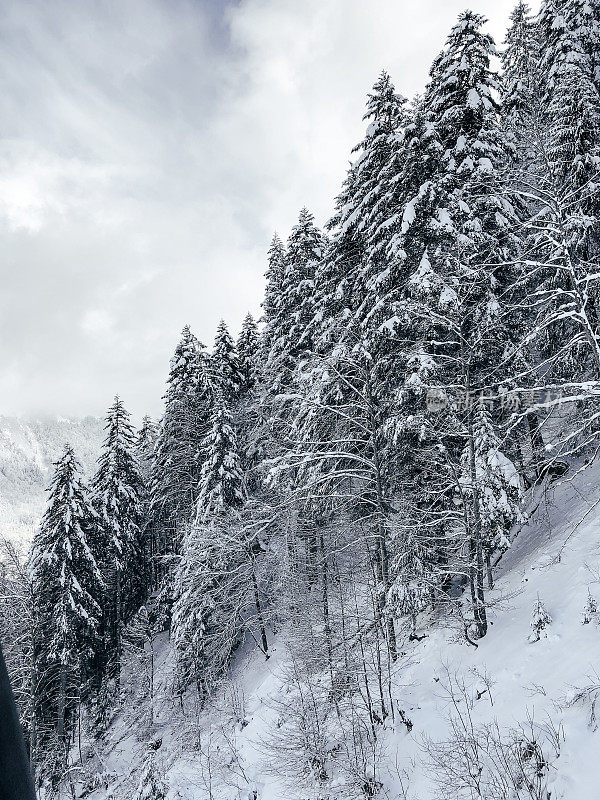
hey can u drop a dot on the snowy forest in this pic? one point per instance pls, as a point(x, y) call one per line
point(339, 486)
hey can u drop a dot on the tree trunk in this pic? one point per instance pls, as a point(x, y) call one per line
point(259, 614)
point(476, 539)
point(381, 555)
point(62, 702)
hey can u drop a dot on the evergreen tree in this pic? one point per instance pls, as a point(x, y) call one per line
point(289, 323)
point(145, 446)
point(540, 620)
point(208, 594)
point(178, 453)
point(247, 348)
point(444, 317)
point(118, 493)
point(68, 591)
point(221, 479)
point(363, 221)
point(520, 76)
point(498, 487)
point(225, 365)
point(570, 31)
point(274, 283)
point(562, 192)
point(151, 785)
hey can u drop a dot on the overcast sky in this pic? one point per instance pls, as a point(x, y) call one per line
point(149, 149)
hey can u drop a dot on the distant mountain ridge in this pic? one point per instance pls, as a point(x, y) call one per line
point(28, 446)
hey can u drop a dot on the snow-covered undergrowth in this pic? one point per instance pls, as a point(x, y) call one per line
point(514, 709)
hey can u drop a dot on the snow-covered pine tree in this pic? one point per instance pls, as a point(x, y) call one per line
point(147, 436)
point(225, 366)
point(178, 452)
point(118, 493)
point(540, 619)
point(151, 784)
point(289, 322)
point(477, 220)
point(590, 611)
point(274, 283)
point(363, 219)
point(145, 445)
point(416, 575)
point(570, 33)
point(454, 240)
point(247, 348)
point(521, 78)
point(205, 622)
point(499, 490)
point(221, 483)
point(559, 284)
point(558, 292)
point(68, 591)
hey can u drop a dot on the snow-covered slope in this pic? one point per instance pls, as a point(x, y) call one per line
point(507, 683)
point(27, 449)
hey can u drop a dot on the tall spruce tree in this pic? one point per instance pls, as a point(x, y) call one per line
point(68, 593)
point(151, 785)
point(207, 595)
point(178, 452)
point(274, 283)
point(145, 446)
point(225, 365)
point(562, 231)
point(570, 31)
point(444, 316)
point(294, 309)
point(247, 347)
point(221, 483)
point(118, 493)
point(521, 75)
point(363, 221)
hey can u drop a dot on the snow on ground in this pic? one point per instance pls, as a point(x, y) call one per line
point(555, 557)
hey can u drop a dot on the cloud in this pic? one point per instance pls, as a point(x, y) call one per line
point(148, 151)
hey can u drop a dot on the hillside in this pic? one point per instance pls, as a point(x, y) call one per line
point(543, 690)
point(27, 449)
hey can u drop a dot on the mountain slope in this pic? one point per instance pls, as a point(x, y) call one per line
point(27, 449)
point(530, 703)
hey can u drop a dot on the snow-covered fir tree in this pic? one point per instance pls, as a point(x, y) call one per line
point(226, 369)
point(151, 784)
point(145, 445)
point(68, 590)
point(118, 493)
point(363, 221)
point(458, 233)
point(570, 32)
point(497, 486)
point(178, 453)
point(540, 619)
point(289, 322)
point(274, 283)
point(521, 76)
point(205, 613)
point(247, 348)
point(561, 191)
point(221, 483)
